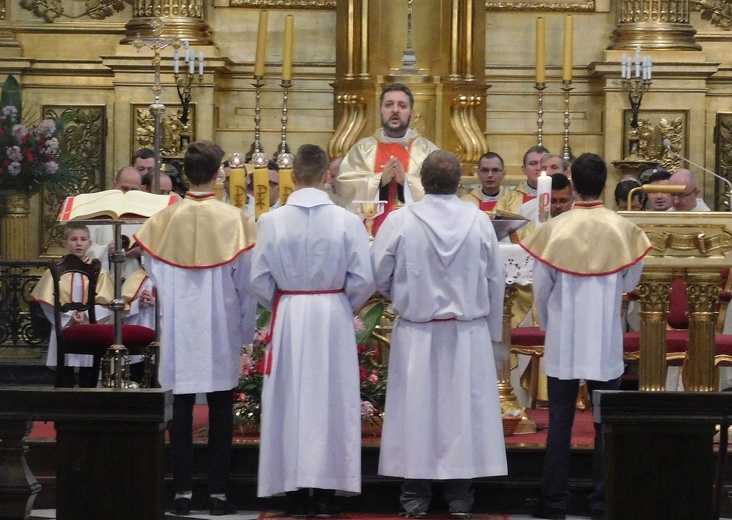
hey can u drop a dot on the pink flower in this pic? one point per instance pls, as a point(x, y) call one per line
point(367, 409)
point(373, 379)
point(358, 324)
point(51, 167)
point(246, 365)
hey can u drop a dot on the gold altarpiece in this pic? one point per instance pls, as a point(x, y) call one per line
point(449, 87)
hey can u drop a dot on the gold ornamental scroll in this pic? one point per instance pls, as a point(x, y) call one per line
point(695, 246)
point(184, 19)
point(657, 24)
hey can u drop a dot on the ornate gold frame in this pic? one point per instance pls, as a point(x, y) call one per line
point(285, 4)
point(539, 5)
point(659, 125)
point(142, 128)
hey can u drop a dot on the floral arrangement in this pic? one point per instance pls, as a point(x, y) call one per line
point(372, 366)
point(248, 394)
point(30, 155)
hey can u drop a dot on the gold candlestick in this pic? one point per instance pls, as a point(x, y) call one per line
point(566, 88)
point(540, 112)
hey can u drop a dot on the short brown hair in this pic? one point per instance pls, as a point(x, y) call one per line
point(441, 173)
point(202, 161)
point(310, 164)
point(74, 226)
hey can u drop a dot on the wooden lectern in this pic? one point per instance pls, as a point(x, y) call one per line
point(659, 453)
point(110, 451)
point(695, 246)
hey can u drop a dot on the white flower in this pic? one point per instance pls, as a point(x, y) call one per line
point(14, 168)
point(51, 145)
point(46, 128)
point(14, 154)
point(19, 132)
point(10, 112)
point(51, 167)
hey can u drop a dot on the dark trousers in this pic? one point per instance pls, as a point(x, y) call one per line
point(562, 406)
point(417, 493)
point(220, 433)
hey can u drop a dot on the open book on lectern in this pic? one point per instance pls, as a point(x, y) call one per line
point(114, 204)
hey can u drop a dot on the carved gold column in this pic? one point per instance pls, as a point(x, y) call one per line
point(653, 24)
point(183, 19)
point(653, 291)
point(703, 290)
point(505, 390)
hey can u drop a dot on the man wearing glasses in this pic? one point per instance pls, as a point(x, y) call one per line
point(688, 200)
point(491, 195)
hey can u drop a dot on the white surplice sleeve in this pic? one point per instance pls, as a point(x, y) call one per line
point(496, 276)
point(359, 285)
point(262, 283)
point(544, 279)
point(242, 267)
point(383, 256)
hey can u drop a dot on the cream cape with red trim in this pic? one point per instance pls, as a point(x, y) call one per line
point(43, 291)
point(182, 235)
point(589, 240)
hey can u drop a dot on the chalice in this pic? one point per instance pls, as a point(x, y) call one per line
point(369, 210)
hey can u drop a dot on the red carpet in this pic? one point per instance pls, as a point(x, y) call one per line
point(583, 433)
point(376, 516)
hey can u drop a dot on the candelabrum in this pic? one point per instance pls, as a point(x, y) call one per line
point(635, 87)
point(566, 88)
point(184, 83)
point(540, 113)
point(284, 148)
point(157, 43)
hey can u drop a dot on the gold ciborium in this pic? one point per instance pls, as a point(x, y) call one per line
point(369, 210)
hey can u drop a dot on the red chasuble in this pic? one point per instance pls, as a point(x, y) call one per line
point(384, 152)
point(487, 206)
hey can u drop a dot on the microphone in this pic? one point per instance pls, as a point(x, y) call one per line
point(667, 146)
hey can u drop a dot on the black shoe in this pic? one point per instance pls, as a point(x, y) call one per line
point(297, 503)
point(182, 506)
point(553, 513)
point(460, 514)
point(324, 504)
point(406, 514)
point(221, 507)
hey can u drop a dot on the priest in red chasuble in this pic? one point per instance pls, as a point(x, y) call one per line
point(386, 165)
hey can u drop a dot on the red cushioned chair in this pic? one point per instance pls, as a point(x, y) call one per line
point(723, 342)
point(677, 335)
point(529, 341)
point(93, 338)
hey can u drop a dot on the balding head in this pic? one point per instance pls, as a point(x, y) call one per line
point(333, 170)
point(685, 201)
point(128, 179)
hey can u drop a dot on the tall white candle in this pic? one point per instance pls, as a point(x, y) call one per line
point(176, 61)
point(200, 64)
point(544, 195)
point(192, 63)
point(650, 67)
